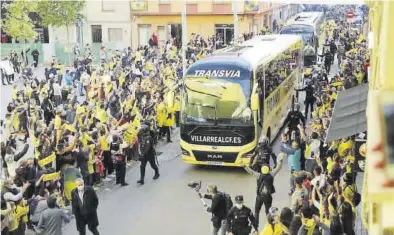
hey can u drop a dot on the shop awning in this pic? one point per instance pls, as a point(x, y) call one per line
point(349, 116)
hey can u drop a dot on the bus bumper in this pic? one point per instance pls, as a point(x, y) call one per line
point(238, 163)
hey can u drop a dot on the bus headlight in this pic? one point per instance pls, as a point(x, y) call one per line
point(248, 154)
point(185, 152)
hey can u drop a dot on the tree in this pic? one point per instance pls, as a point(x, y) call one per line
point(17, 22)
point(60, 13)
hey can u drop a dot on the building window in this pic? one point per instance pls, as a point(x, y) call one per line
point(115, 34)
point(161, 33)
point(224, 34)
point(107, 5)
point(97, 34)
point(144, 33)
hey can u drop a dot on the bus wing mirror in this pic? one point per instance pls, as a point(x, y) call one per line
point(254, 103)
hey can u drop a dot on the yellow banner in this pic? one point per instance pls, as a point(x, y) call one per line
point(47, 160)
point(52, 176)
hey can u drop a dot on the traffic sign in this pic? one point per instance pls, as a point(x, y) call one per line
point(350, 14)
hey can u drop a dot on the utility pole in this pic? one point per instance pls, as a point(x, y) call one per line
point(184, 37)
point(235, 15)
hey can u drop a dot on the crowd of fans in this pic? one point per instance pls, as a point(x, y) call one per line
point(68, 119)
point(323, 190)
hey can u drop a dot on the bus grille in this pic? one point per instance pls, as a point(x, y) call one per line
point(215, 156)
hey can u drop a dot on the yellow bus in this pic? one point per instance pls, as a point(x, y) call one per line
point(235, 95)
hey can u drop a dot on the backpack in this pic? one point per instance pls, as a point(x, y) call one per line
point(356, 196)
point(228, 201)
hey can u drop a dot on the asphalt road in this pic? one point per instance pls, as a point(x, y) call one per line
point(167, 205)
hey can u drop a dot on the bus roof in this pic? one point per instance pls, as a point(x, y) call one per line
point(251, 52)
point(305, 18)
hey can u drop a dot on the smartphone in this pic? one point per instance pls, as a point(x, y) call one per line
point(386, 106)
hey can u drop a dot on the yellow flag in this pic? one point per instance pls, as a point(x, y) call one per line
point(52, 176)
point(47, 160)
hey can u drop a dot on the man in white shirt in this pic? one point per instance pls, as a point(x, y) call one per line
point(320, 178)
point(9, 193)
point(57, 93)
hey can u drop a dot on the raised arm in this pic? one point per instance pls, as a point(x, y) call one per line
point(276, 170)
point(252, 172)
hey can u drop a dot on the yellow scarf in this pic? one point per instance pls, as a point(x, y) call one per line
point(310, 225)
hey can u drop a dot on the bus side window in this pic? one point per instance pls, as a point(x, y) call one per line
point(260, 87)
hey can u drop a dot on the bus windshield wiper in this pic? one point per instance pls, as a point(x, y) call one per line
point(201, 92)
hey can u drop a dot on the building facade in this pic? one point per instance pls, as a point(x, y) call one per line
point(205, 18)
point(117, 24)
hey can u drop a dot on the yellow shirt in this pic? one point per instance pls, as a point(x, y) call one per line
point(92, 159)
point(80, 110)
point(104, 143)
point(22, 210)
point(102, 115)
point(58, 122)
point(138, 56)
point(85, 138)
point(122, 79)
point(14, 222)
point(172, 54)
point(29, 90)
point(359, 77)
point(269, 231)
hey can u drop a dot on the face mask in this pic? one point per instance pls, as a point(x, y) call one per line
point(80, 187)
point(239, 206)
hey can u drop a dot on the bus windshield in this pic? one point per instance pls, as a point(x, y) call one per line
point(305, 31)
point(217, 101)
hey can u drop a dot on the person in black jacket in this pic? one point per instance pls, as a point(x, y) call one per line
point(262, 155)
point(35, 55)
point(294, 118)
point(147, 152)
point(265, 186)
point(328, 58)
point(218, 209)
point(120, 160)
point(48, 109)
point(84, 207)
point(82, 157)
point(240, 217)
point(309, 98)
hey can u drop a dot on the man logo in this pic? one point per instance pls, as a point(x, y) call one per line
point(214, 156)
